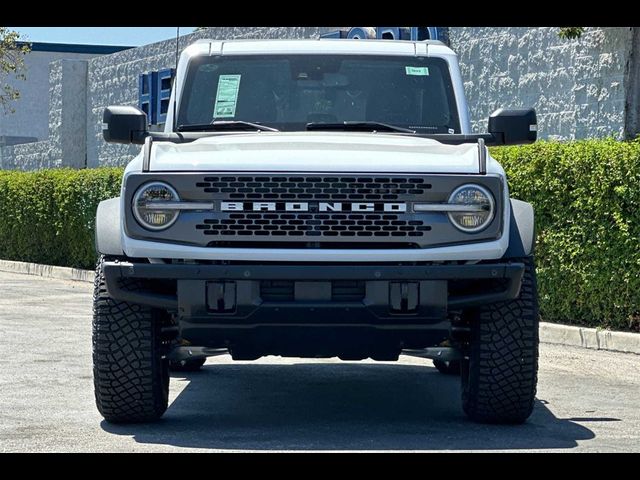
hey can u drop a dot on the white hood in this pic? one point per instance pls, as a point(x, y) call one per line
point(318, 152)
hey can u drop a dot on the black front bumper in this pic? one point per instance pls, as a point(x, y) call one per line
point(235, 291)
point(350, 311)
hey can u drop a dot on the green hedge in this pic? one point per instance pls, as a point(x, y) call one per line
point(586, 195)
point(48, 216)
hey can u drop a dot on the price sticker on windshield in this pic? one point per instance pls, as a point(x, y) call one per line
point(421, 71)
point(227, 96)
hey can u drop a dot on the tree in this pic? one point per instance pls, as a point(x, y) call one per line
point(12, 54)
point(569, 33)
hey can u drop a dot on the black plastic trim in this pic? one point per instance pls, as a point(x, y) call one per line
point(114, 271)
point(447, 138)
point(315, 272)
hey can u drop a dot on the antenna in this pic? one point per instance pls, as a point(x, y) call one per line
point(175, 81)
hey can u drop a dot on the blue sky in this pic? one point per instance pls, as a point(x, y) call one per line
point(132, 36)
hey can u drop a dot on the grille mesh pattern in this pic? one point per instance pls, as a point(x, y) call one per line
point(314, 225)
point(354, 188)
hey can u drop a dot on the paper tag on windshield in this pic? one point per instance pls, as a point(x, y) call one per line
point(423, 71)
point(227, 96)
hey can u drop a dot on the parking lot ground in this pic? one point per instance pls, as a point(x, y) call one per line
point(587, 400)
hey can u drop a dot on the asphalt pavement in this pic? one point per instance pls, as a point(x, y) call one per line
point(587, 400)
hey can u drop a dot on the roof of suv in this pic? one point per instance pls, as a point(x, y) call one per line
point(322, 46)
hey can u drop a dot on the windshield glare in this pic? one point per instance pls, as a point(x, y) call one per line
point(288, 91)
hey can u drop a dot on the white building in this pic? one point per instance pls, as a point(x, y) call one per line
point(30, 121)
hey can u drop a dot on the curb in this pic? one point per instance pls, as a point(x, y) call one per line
point(592, 338)
point(48, 271)
point(554, 333)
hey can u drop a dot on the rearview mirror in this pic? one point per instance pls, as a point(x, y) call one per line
point(124, 124)
point(513, 127)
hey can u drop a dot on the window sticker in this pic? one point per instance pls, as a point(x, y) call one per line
point(227, 96)
point(422, 71)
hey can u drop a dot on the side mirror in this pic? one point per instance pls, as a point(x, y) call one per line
point(514, 127)
point(124, 124)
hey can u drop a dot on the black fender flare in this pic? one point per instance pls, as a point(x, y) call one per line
point(522, 231)
point(107, 238)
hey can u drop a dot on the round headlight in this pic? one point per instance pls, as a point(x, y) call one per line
point(147, 206)
point(481, 208)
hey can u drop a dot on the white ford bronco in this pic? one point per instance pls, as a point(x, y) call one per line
point(316, 198)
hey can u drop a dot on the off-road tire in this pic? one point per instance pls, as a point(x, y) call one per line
point(189, 365)
point(499, 376)
point(131, 378)
point(448, 368)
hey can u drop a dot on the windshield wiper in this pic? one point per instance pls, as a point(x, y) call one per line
point(355, 126)
point(226, 125)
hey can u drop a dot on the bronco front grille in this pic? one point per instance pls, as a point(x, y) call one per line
point(312, 210)
point(355, 188)
point(313, 225)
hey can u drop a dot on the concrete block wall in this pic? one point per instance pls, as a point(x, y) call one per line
point(578, 87)
point(43, 154)
point(632, 102)
point(71, 131)
point(66, 142)
point(30, 118)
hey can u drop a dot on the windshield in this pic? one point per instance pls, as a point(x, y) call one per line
point(289, 91)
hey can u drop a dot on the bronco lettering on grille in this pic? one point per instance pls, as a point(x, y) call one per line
point(312, 207)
